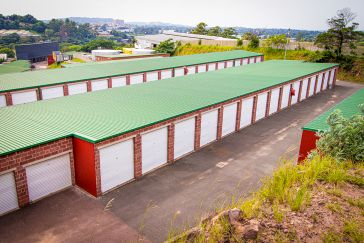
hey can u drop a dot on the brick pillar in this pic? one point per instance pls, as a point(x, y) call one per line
point(21, 185)
point(290, 95)
point(216, 66)
point(9, 99)
point(248, 60)
point(262, 58)
point(219, 122)
point(173, 72)
point(137, 156)
point(97, 172)
point(207, 67)
point(89, 87)
point(109, 83)
point(300, 91)
point(170, 142)
point(196, 69)
point(144, 77)
point(255, 101)
point(197, 132)
point(225, 64)
point(308, 87)
point(315, 88)
point(39, 94)
point(280, 99)
point(322, 81)
point(159, 75)
point(268, 103)
point(238, 115)
point(328, 79)
point(127, 79)
point(255, 59)
point(241, 61)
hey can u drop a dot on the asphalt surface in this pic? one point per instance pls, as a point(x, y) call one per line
point(175, 196)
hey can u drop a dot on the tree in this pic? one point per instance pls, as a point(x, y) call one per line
point(98, 43)
point(167, 46)
point(200, 29)
point(229, 33)
point(342, 32)
point(214, 31)
point(252, 38)
point(10, 39)
point(299, 36)
point(8, 51)
point(276, 41)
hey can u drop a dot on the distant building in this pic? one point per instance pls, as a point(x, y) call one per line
point(151, 41)
point(36, 52)
point(21, 33)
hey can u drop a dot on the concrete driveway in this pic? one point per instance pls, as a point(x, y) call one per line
point(175, 196)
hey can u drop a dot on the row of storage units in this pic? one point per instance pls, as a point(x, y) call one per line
point(73, 88)
point(348, 107)
point(101, 165)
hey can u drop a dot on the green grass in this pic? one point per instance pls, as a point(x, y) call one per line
point(353, 232)
point(334, 207)
point(331, 237)
point(356, 202)
point(336, 192)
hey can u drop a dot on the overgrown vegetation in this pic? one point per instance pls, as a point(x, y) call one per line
point(344, 140)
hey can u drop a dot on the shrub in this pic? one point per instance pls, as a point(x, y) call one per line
point(344, 138)
point(8, 51)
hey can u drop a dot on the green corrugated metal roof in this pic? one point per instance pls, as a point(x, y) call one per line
point(14, 67)
point(348, 107)
point(103, 114)
point(17, 81)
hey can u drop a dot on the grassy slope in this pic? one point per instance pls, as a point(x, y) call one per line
point(320, 200)
point(356, 75)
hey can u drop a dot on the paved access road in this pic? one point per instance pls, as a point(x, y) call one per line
point(174, 196)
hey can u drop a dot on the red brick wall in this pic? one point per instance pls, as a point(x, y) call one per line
point(19, 160)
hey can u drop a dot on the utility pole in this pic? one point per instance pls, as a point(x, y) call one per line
point(285, 47)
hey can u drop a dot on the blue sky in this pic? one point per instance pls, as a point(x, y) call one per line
point(303, 14)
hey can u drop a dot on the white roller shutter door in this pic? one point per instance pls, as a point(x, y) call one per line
point(230, 64)
point(319, 82)
point(331, 81)
point(304, 89)
point(246, 112)
point(251, 60)
point(47, 177)
point(296, 87)
point(152, 76)
point(136, 79)
point(99, 85)
point(274, 100)
point(208, 127)
point(77, 88)
point(202, 68)
point(261, 106)
point(237, 62)
point(154, 149)
point(285, 96)
point(116, 164)
point(258, 59)
point(184, 137)
point(179, 72)
point(2, 101)
point(166, 74)
point(118, 82)
point(245, 61)
point(8, 195)
point(312, 86)
point(212, 66)
point(52, 92)
point(24, 97)
point(229, 119)
point(191, 69)
point(220, 65)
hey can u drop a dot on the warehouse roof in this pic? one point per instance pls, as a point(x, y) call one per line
point(348, 107)
point(16, 81)
point(104, 114)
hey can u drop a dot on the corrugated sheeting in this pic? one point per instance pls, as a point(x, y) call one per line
point(17, 81)
point(108, 113)
point(348, 107)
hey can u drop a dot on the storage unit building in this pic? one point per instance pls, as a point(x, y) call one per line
point(348, 107)
point(99, 144)
point(20, 88)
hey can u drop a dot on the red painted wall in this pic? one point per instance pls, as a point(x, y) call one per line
point(85, 173)
point(308, 143)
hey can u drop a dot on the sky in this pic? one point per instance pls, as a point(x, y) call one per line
point(303, 14)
